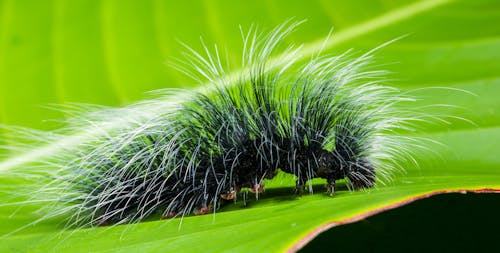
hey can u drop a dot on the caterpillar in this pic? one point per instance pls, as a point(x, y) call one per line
point(330, 117)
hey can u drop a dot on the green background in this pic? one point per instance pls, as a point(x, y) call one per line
point(112, 52)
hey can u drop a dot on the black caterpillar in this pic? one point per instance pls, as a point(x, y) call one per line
point(327, 118)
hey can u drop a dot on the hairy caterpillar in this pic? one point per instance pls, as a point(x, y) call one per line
point(327, 118)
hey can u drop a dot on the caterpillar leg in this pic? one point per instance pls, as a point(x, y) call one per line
point(169, 215)
point(203, 210)
point(228, 196)
point(102, 223)
point(257, 188)
point(299, 187)
point(330, 185)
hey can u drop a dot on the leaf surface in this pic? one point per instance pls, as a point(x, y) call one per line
point(111, 52)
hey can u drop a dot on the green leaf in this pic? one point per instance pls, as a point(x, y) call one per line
point(110, 52)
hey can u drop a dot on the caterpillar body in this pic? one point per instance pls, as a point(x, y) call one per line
point(327, 118)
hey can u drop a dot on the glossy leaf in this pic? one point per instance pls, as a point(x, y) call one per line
point(111, 52)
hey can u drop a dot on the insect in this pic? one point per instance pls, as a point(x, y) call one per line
point(329, 117)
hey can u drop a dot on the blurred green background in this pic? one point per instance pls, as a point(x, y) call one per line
point(112, 52)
